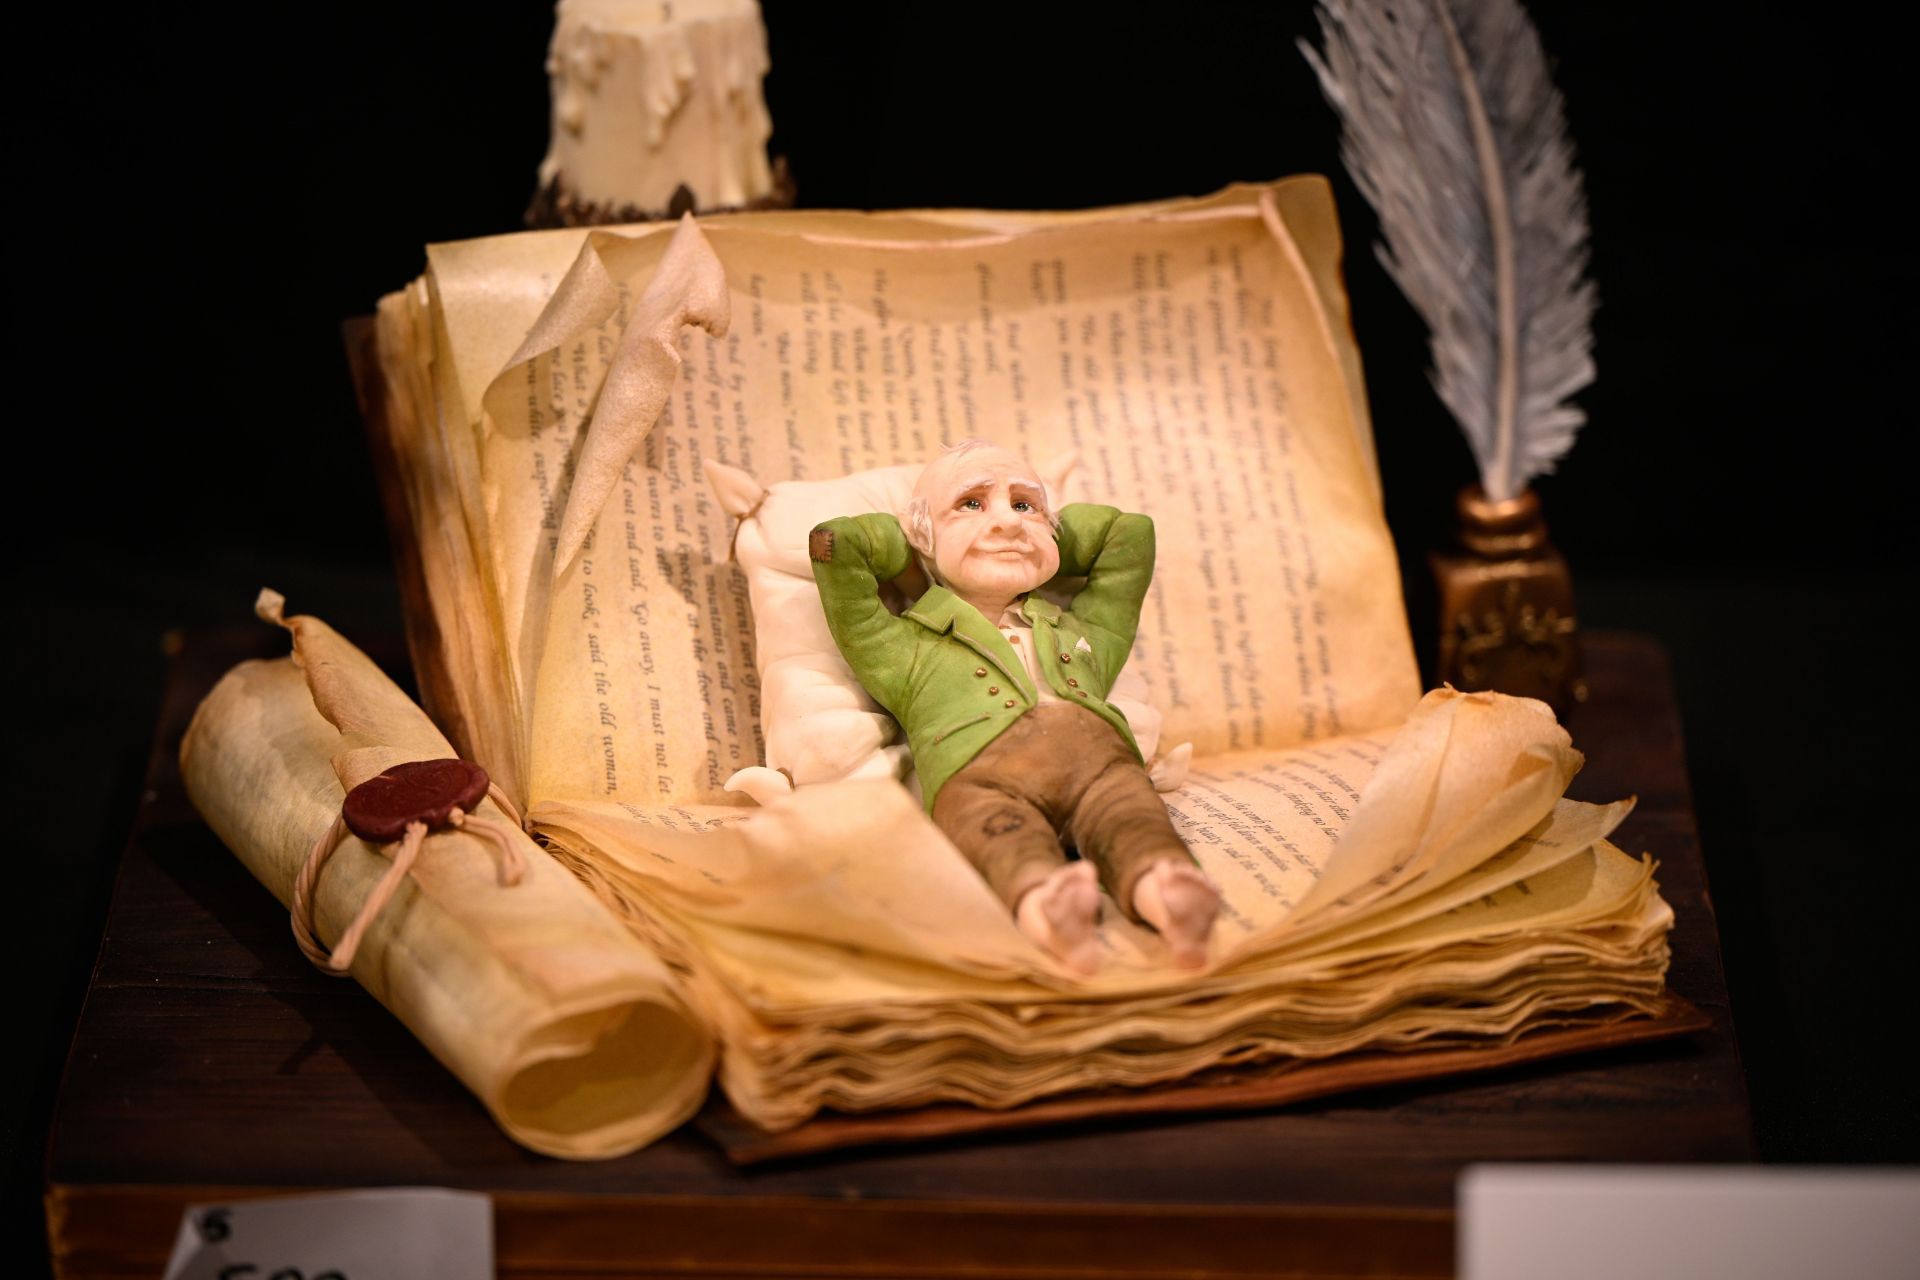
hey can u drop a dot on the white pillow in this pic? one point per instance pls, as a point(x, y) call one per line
point(817, 720)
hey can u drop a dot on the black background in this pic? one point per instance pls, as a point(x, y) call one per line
point(211, 189)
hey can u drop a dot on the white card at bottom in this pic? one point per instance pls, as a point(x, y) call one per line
point(1688, 1222)
point(396, 1233)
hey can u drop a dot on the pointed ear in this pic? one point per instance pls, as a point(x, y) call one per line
point(738, 491)
point(1053, 474)
point(917, 524)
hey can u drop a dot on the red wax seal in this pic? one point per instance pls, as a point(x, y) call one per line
point(379, 809)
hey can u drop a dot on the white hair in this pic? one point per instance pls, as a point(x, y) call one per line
point(917, 520)
point(917, 523)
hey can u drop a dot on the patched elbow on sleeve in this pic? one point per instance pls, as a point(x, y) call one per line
point(820, 545)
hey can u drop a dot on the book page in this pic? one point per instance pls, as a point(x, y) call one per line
point(432, 467)
point(1185, 352)
point(1265, 827)
point(860, 866)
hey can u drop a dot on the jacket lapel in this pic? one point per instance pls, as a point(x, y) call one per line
point(943, 612)
point(1045, 617)
point(1040, 610)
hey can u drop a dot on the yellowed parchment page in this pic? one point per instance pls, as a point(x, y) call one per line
point(858, 865)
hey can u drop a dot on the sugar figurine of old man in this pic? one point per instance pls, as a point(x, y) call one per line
point(1003, 695)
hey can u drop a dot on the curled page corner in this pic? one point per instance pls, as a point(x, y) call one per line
point(688, 287)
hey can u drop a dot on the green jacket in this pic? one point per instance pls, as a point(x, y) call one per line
point(946, 673)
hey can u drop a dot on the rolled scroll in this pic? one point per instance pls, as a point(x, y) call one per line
point(576, 1038)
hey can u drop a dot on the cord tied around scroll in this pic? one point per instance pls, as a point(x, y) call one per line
point(396, 812)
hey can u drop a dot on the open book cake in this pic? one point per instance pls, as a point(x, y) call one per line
point(1400, 873)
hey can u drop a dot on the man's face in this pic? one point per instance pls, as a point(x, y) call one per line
point(991, 535)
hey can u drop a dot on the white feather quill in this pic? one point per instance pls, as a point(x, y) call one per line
point(1456, 135)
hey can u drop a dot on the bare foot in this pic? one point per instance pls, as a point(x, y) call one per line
point(1176, 898)
point(1059, 914)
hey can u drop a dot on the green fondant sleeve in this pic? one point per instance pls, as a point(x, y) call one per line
point(1113, 550)
point(851, 557)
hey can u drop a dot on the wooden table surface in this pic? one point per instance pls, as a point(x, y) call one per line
point(212, 1063)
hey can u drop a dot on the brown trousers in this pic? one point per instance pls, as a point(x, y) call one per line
point(1059, 770)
